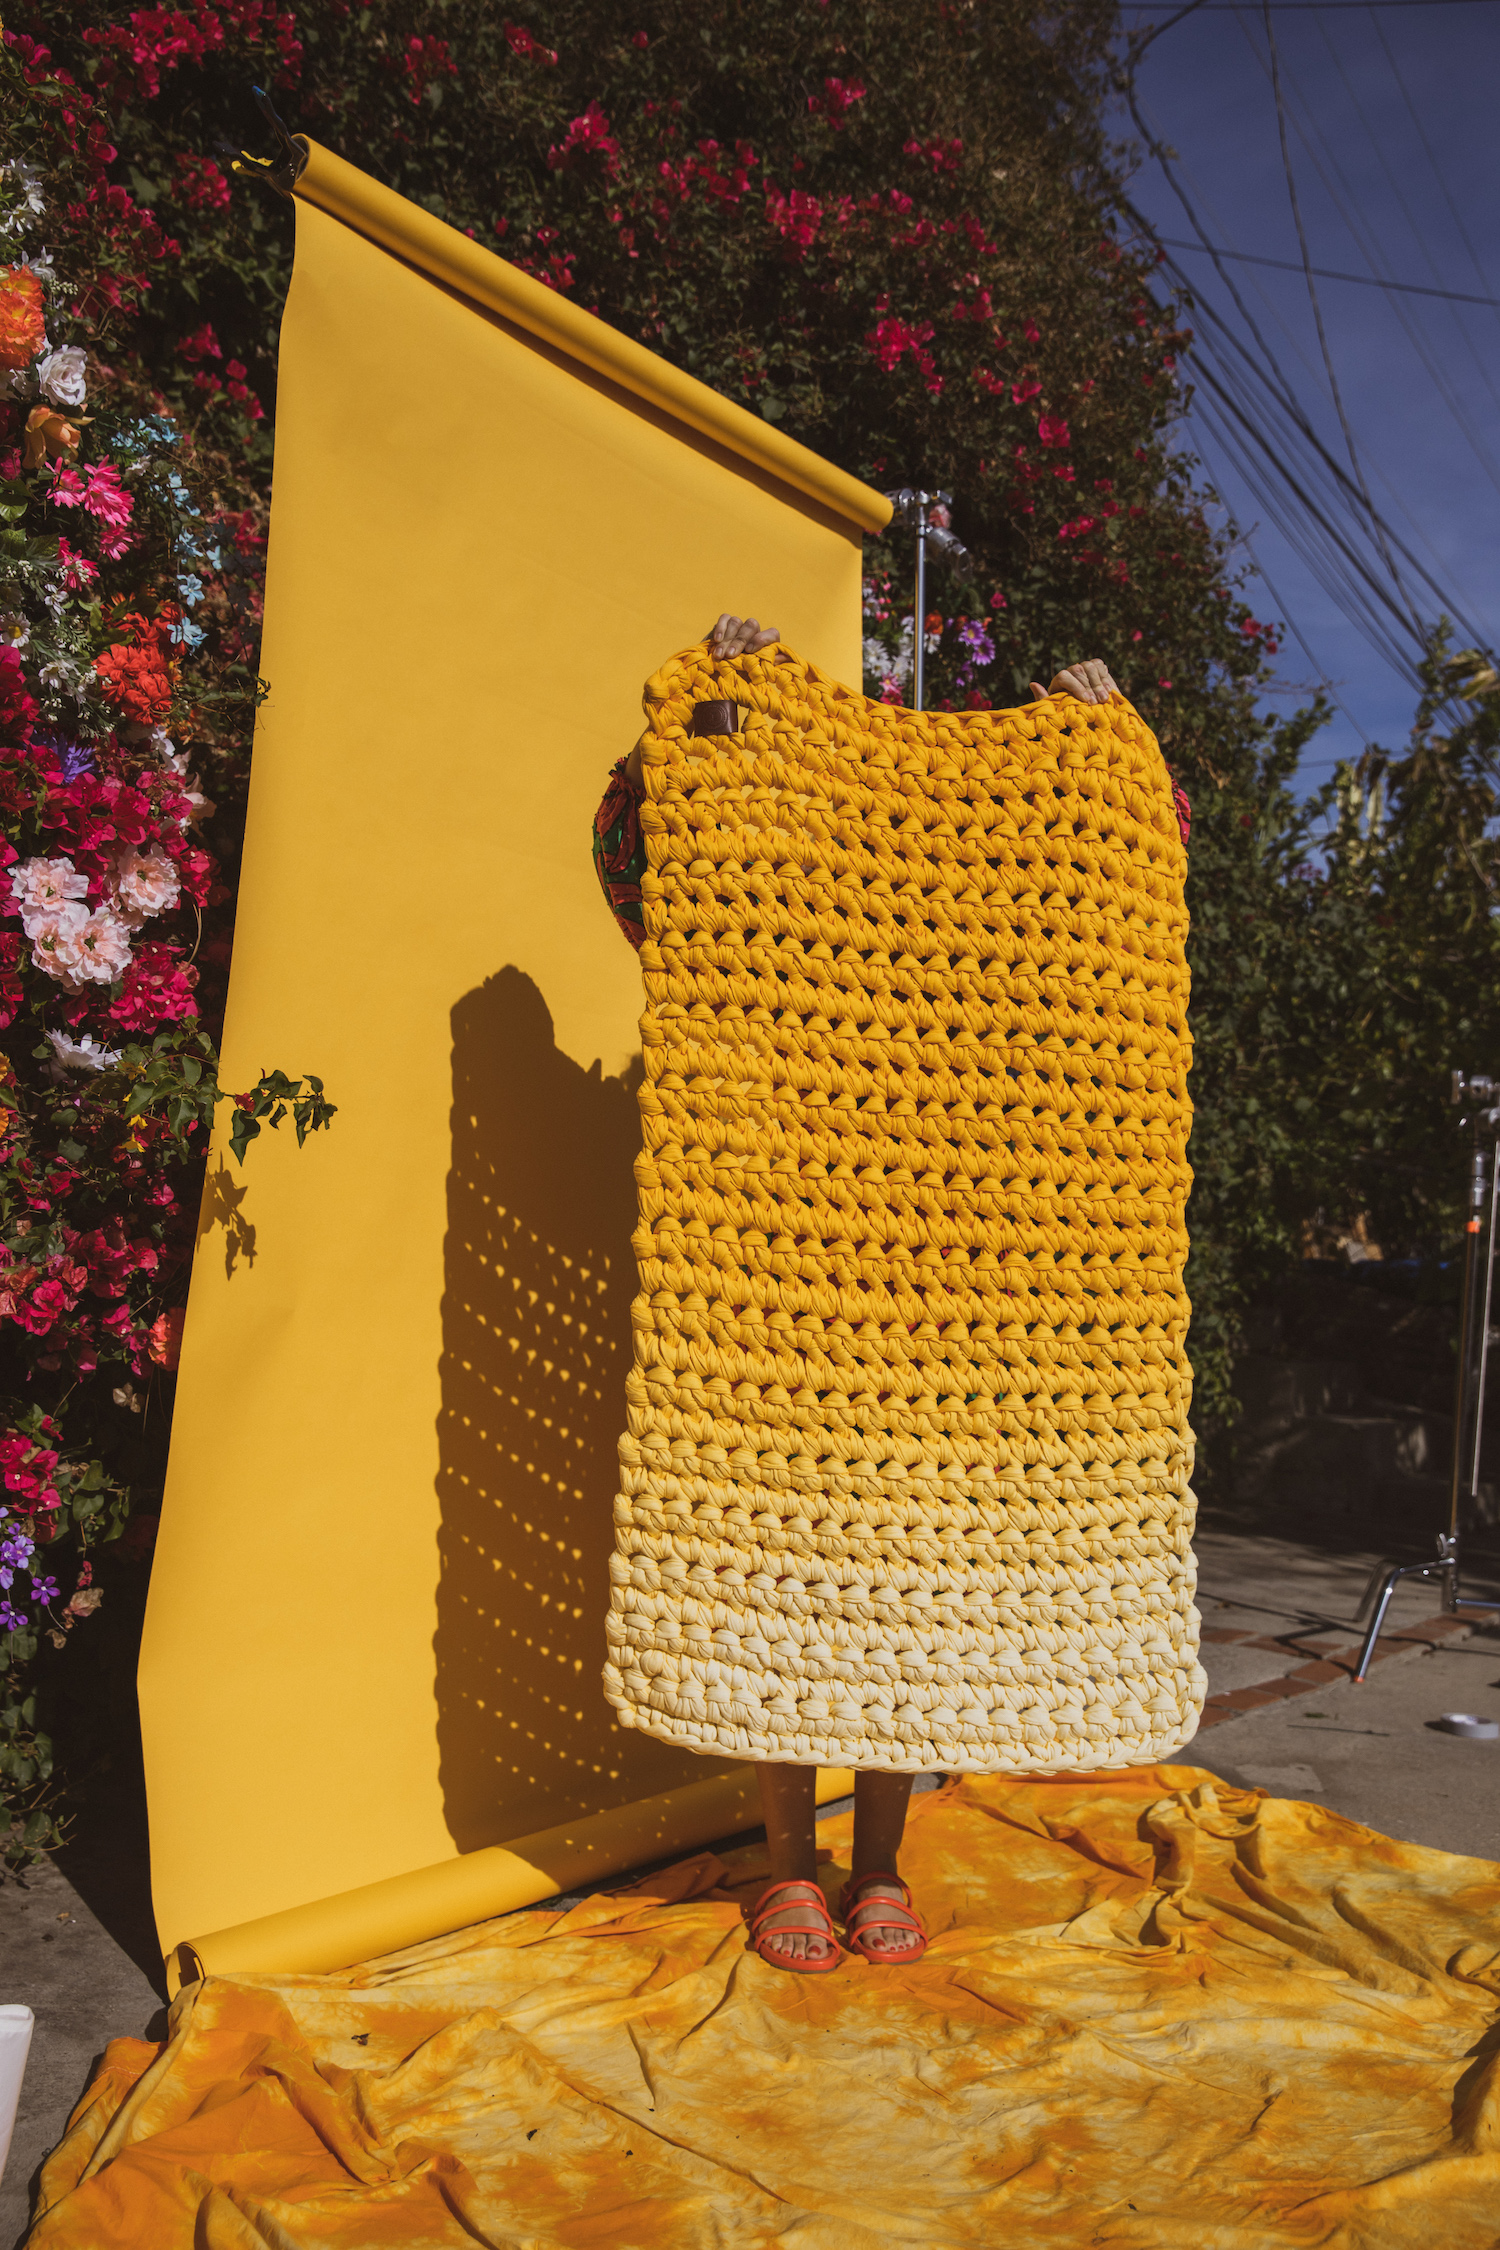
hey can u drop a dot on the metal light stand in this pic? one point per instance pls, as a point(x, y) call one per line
point(927, 514)
point(1484, 1185)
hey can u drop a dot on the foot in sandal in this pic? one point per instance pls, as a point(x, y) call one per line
point(878, 1920)
point(793, 1929)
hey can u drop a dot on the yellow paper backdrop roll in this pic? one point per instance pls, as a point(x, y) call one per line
point(375, 1629)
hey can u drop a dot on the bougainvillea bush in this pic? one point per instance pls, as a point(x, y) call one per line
point(127, 685)
point(893, 228)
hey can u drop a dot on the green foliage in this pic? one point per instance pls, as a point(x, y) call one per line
point(127, 625)
point(1404, 945)
point(895, 232)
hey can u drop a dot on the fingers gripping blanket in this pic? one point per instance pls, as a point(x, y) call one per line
point(905, 1482)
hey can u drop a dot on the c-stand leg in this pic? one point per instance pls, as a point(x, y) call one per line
point(1449, 1565)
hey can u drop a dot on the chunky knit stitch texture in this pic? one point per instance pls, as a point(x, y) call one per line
point(905, 1482)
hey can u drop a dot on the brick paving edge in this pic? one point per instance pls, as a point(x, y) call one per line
point(1333, 1665)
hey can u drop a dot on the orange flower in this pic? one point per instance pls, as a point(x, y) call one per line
point(166, 1338)
point(137, 681)
point(48, 430)
point(22, 318)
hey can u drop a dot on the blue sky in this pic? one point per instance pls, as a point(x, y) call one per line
point(1395, 107)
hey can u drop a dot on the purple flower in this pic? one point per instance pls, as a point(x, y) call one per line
point(974, 639)
point(75, 758)
point(44, 1589)
point(11, 1619)
point(16, 1548)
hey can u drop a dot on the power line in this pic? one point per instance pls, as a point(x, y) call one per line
point(1317, 312)
point(1326, 551)
point(1437, 171)
point(1327, 273)
point(1292, 7)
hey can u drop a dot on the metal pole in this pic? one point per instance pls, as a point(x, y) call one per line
point(919, 621)
point(1484, 1333)
point(1466, 1331)
point(1448, 1566)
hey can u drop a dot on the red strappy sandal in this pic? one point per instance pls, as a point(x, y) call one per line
point(816, 1904)
point(862, 1917)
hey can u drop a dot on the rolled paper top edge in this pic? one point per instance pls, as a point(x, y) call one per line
point(348, 194)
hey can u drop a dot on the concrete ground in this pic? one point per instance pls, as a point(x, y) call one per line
point(1278, 1602)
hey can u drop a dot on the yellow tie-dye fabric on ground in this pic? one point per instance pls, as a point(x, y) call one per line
point(1156, 2012)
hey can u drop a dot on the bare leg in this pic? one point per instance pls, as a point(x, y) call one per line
point(789, 1805)
point(880, 1801)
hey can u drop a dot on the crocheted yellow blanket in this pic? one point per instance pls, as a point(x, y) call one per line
point(905, 1481)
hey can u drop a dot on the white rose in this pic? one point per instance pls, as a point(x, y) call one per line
point(63, 375)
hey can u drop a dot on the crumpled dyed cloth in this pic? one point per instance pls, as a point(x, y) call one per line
point(1156, 2011)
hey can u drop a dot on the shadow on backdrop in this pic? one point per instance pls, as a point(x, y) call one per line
point(538, 1280)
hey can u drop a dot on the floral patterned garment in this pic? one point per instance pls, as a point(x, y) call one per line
point(620, 848)
point(620, 852)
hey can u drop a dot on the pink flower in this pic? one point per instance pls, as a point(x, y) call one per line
point(146, 882)
point(107, 498)
point(524, 42)
point(836, 100)
point(166, 1338)
point(796, 217)
point(158, 989)
point(1051, 431)
point(892, 337)
point(40, 886)
point(77, 570)
point(79, 948)
point(589, 134)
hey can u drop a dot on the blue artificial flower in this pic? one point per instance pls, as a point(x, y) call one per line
point(190, 587)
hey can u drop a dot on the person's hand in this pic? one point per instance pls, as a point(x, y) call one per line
point(738, 636)
point(1088, 680)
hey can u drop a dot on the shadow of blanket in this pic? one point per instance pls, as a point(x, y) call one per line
point(539, 1276)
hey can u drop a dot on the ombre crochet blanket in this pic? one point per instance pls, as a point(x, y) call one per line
point(905, 1481)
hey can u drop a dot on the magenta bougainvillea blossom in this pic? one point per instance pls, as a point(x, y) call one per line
point(119, 636)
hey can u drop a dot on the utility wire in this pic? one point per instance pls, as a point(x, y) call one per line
point(1289, 7)
point(1317, 310)
point(1347, 209)
point(1399, 192)
point(1345, 488)
point(1327, 273)
point(1285, 398)
point(1437, 172)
